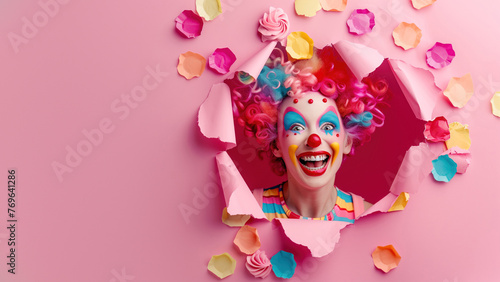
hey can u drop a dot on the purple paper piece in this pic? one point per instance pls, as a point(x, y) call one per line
point(361, 21)
point(221, 60)
point(440, 55)
point(189, 24)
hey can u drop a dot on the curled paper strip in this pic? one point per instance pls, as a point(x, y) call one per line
point(444, 168)
point(274, 25)
point(440, 55)
point(495, 104)
point(189, 24)
point(258, 264)
point(247, 239)
point(437, 130)
point(222, 265)
point(419, 4)
point(385, 258)
point(307, 8)
point(283, 264)
point(221, 60)
point(191, 65)
point(459, 90)
point(459, 136)
point(333, 5)
point(208, 9)
point(361, 21)
point(234, 220)
point(299, 45)
point(407, 35)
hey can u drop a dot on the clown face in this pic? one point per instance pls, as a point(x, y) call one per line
point(311, 140)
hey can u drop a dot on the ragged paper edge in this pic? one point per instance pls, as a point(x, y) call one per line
point(414, 83)
point(215, 116)
point(240, 200)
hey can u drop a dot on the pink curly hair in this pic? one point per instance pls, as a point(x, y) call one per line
point(256, 101)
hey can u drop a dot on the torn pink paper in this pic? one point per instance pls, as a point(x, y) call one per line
point(319, 236)
point(383, 205)
point(361, 60)
point(461, 157)
point(239, 199)
point(215, 116)
point(256, 62)
point(415, 167)
point(418, 86)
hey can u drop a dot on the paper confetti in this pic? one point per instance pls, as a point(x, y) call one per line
point(283, 264)
point(440, 55)
point(495, 104)
point(189, 24)
point(299, 45)
point(258, 264)
point(208, 9)
point(437, 130)
point(361, 21)
point(419, 4)
point(234, 220)
point(222, 265)
point(400, 202)
point(221, 60)
point(307, 8)
point(461, 157)
point(459, 136)
point(444, 168)
point(191, 65)
point(333, 5)
point(407, 35)
point(459, 90)
point(386, 258)
point(247, 240)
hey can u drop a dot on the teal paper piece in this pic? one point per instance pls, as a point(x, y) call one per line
point(444, 168)
point(283, 264)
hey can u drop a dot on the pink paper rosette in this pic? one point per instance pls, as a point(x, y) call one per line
point(361, 21)
point(258, 264)
point(440, 55)
point(221, 60)
point(274, 25)
point(189, 24)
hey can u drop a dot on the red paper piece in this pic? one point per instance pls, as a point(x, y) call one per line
point(437, 130)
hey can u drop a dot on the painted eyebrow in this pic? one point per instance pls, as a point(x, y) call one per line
point(292, 116)
point(330, 116)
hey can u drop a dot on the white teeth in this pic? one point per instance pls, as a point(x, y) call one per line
point(314, 158)
point(315, 168)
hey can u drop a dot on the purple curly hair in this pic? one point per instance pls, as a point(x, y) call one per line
point(256, 101)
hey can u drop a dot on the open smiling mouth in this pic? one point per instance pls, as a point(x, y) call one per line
point(314, 163)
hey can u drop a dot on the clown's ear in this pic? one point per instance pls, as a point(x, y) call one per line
point(276, 150)
point(348, 144)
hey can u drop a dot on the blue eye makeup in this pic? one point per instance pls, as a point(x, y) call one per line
point(294, 121)
point(329, 122)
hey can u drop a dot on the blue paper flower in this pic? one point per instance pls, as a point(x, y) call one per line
point(283, 264)
point(444, 168)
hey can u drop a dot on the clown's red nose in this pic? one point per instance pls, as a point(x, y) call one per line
point(313, 141)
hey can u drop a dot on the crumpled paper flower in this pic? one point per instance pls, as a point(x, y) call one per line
point(307, 8)
point(299, 45)
point(385, 258)
point(407, 35)
point(247, 239)
point(440, 55)
point(495, 104)
point(283, 264)
point(333, 5)
point(221, 60)
point(437, 130)
point(259, 265)
point(274, 25)
point(444, 168)
point(191, 65)
point(419, 4)
point(189, 24)
point(459, 90)
point(361, 21)
point(222, 265)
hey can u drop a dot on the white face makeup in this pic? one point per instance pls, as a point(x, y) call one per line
point(311, 139)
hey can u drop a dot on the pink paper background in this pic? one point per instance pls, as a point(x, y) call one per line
point(116, 216)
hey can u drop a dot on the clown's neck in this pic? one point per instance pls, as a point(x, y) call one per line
point(308, 202)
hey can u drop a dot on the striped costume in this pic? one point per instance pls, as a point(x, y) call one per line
point(347, 207)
